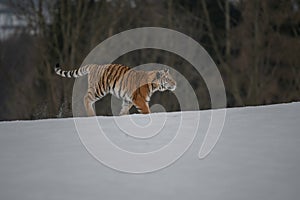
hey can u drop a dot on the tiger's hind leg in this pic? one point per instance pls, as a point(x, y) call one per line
point(125, 108)
point(89, 100)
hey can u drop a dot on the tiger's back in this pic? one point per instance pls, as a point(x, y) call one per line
point(106, 79)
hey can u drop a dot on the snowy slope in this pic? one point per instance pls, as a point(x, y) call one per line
point(257, 157)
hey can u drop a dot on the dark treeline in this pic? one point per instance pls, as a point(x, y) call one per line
point(255, 44)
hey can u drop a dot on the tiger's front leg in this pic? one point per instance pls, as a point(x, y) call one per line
point(141, 105)
point(125, 108)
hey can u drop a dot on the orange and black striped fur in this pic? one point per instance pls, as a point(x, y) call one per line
point(134, 87)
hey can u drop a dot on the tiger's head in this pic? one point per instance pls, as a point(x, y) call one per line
point(165, 80)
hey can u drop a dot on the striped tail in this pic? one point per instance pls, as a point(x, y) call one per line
point(72, 73)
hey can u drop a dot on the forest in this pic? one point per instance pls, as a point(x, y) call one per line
point(254, 43)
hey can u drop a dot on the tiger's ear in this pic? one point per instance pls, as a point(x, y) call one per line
point(166, 70)
point(159, 74)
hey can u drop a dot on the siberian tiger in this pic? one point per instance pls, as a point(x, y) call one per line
point(134, 87)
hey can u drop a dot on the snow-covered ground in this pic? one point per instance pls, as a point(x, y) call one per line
point(257, 157)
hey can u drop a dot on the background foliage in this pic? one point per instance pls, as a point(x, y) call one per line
point(255, 44)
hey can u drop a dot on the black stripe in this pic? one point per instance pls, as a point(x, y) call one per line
point(109, 71)
point(122, 81)
point(117, 78)
point(90, 95)
point(129, 80)
point(100, 90)
point(114, 73)
point(76, 72)
point(148, 88)
point(152, 87)
point(104, 82)
point(153, 80)
point(138, 82)
point(80, 70)
point(100, 82)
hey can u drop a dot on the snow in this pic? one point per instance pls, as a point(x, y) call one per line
point(256, 157)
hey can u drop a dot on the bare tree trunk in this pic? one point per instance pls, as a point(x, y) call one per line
point(233, 85)
point(227, 27)
point(252, 96)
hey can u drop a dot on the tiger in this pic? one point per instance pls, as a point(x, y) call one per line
point(133, 87)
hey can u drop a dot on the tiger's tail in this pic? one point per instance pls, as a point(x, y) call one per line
point(72, 73)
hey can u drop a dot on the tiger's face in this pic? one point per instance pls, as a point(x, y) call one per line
point(165, 80)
